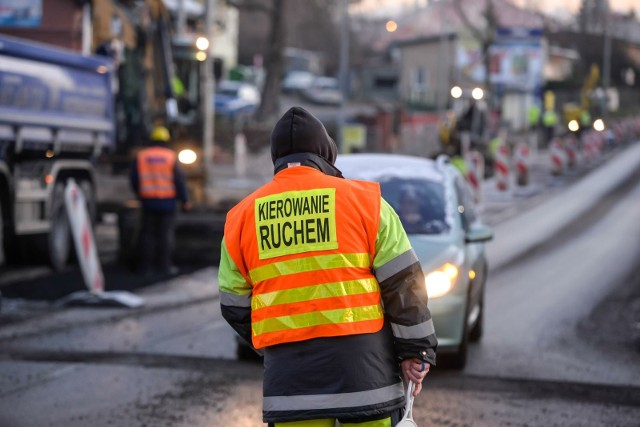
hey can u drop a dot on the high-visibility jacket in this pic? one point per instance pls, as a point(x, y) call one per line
point(307, 262)
point(549, 118)
point(534, 115)
point(156, 166)
point(309, 259)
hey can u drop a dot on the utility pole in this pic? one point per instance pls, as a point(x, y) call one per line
point(181, 23)
point(87, 28)
point(344, 69)
point(208, 87)
point(606, 66)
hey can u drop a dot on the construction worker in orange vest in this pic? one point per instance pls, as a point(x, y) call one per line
point(159, 183)
point(308, 262)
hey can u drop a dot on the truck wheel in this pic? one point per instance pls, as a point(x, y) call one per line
point(59, 237)
point(12, 247)
point(3, 258)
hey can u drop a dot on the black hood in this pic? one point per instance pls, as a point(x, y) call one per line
point(298, 131)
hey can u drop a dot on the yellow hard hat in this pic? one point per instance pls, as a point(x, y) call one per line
point(160, 133)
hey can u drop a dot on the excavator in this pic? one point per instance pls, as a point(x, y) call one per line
point(577, 117)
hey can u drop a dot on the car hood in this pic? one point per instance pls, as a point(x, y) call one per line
point(435, 250)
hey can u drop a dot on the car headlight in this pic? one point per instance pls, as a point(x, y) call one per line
point(440, 282)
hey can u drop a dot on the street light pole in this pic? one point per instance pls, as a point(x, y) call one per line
point(606, 66)
point(344, 69)
point(182, 18)
point(208, 87)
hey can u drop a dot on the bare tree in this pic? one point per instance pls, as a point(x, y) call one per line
point(274, 61)
point(485, 35)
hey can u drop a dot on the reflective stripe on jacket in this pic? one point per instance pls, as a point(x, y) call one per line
point(309, 258)
point(156, 173)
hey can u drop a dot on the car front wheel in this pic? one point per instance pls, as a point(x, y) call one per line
point(476, 331)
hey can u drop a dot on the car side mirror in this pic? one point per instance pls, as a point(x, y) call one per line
point(478, 233)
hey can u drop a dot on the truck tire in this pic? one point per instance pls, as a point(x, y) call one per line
point(59, 239)
point(13, 248)
point(3, 258)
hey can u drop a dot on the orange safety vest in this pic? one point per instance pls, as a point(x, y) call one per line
point(306, 243)
point(156, 173)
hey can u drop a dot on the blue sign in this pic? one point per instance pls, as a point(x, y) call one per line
point(20, 13)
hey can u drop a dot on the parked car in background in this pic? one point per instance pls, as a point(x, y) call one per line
point(323, 90)
point(435, 206)
point(234, 97)
point(296, 81)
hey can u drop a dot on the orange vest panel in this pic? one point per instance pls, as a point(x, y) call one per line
point(156, 173)
point(306, 243)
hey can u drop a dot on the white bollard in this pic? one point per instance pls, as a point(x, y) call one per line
point(502, 167)
point(240, 158)
point(557, 156)
point(475, 174)
point(571, 150)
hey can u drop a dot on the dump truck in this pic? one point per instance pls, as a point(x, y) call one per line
point(65, 115)
point(56, 119)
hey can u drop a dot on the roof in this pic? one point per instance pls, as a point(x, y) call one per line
point(443, 17)
point(377, 167)
point(20, 48)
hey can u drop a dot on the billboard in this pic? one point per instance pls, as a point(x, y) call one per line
point(517, 59)
point(20, 13)
point(468, 53)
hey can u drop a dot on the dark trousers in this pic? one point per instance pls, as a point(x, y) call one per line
point(549, 133)
point(157, 239)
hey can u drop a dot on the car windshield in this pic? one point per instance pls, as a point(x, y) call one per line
point(420, 204)
point(228, 91)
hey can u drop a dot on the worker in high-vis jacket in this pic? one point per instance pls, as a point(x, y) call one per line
point(159, 184)
point(318, 275)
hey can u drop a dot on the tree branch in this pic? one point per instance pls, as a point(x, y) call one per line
point(250, 5)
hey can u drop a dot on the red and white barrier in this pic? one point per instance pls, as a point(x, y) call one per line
point(590, 149)
point(501, 164)
point(522, 158)
point(557, 156)
point(571, 149)
point(82, 233)
point(475, 173)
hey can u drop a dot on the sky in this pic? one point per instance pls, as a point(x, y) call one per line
point(548, 6)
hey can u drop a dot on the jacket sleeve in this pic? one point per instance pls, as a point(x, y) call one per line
point(235, 296)
point(134, 178)
point(403, 289)
point(180, 184)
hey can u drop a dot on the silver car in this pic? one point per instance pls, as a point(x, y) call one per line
point(435, 206)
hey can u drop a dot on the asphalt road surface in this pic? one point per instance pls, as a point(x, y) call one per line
point(561, 348)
